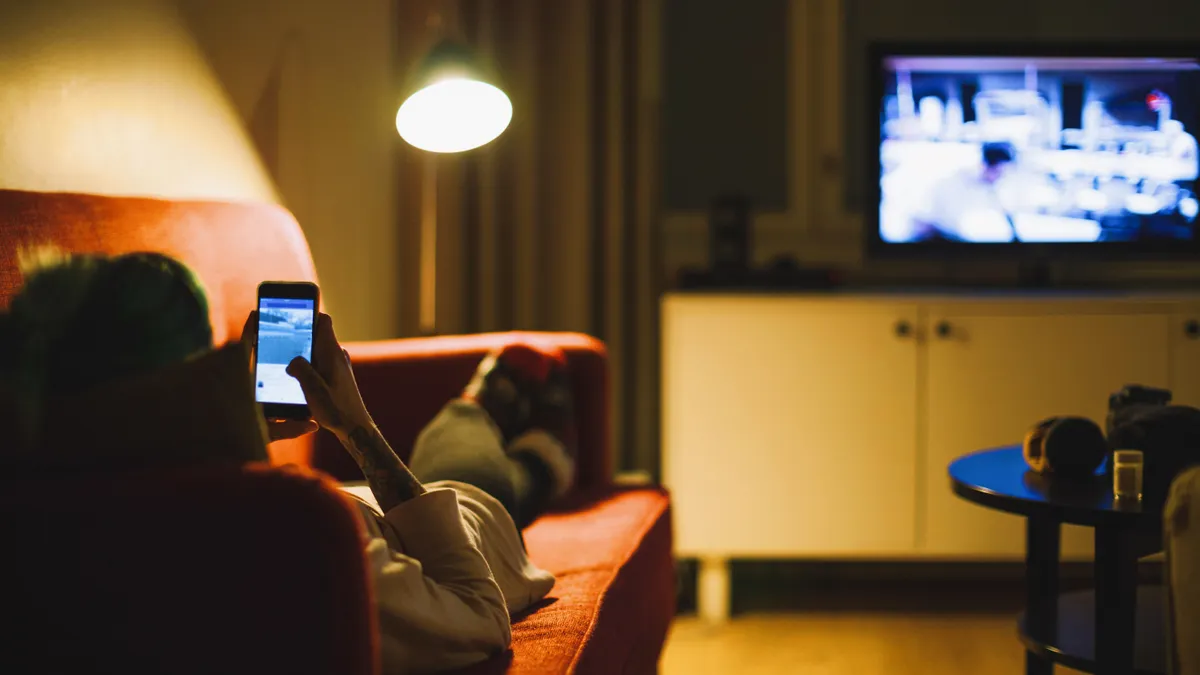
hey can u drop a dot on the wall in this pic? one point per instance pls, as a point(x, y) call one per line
point(115, 97)
point(728, 74)
point(266, 100)
point(812, 224)
point(314, 81)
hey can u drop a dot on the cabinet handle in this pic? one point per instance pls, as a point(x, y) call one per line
point(903, 329)
point(1191, 328)
point(943, 329)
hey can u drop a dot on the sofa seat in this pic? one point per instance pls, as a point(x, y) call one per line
point(615, 592)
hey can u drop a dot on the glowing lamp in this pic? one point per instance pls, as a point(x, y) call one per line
point(451, 106)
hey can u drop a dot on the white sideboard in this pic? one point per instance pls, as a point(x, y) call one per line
point(821, 426)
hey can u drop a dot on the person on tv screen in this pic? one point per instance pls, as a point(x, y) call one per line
point(968, 206)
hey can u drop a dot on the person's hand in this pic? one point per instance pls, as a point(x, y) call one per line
point(250, 336)
point(277, 430)
point(329, 386)
point(282, 430)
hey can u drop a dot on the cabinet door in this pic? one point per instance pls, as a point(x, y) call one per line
point(789, 425)
point(993, 376)
point(1185, 355)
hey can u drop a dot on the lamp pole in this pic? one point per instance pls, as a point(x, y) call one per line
point(427, 265)
point(450, 106)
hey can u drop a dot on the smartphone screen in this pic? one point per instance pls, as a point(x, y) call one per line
point(285, 331)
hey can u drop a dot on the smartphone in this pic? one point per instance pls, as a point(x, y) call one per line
point(287, 317)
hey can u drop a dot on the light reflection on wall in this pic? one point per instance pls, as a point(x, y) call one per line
point(114, 97)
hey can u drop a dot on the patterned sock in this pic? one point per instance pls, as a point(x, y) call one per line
point(509, 381)
point(551, 439)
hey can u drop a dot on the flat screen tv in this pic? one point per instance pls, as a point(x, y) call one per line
point(1011, 149)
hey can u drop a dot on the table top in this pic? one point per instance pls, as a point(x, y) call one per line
point(1000, 479)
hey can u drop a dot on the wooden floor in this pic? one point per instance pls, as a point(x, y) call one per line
point(847, 643)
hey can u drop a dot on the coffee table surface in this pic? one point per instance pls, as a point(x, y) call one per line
point(1000, 479)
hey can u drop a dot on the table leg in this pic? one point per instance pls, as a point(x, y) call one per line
point(1116, 599)
point(1042, 537)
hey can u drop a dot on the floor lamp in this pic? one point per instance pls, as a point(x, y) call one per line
point(450, 106)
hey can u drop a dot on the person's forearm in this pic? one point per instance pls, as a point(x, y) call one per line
point(390, 480)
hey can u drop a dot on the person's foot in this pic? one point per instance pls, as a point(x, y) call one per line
point(551, 438)
point(509, 382)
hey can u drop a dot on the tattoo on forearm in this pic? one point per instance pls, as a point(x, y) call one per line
point(390, 480)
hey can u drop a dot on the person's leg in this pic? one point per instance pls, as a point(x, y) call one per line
point(462, 444)
point(469, 440)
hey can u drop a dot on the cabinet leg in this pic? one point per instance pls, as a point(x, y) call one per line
point(713, 591)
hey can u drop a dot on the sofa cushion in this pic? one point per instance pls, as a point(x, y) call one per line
point(615, 595)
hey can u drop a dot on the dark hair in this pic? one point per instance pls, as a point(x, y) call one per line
point(995, 154)
point(82, 320)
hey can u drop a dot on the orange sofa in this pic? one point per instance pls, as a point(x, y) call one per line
point(88, 574)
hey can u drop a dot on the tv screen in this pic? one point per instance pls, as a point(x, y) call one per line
point(991, 148)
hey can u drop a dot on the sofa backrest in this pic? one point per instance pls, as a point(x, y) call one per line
point(405, 382)
point(232, 247)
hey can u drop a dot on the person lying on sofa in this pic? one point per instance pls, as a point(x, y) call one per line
point(442, 534)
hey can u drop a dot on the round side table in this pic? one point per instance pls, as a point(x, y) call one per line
point(1117, 627)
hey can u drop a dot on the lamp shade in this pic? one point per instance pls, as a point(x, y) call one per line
point(451, 105)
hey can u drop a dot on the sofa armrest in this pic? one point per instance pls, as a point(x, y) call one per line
point(197, 569)
point(405, 383)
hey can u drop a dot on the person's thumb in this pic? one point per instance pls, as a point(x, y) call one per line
point(250, 329)
point(308, 377)
point(249, 338)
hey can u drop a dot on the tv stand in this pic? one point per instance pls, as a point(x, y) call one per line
point(895, 386)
